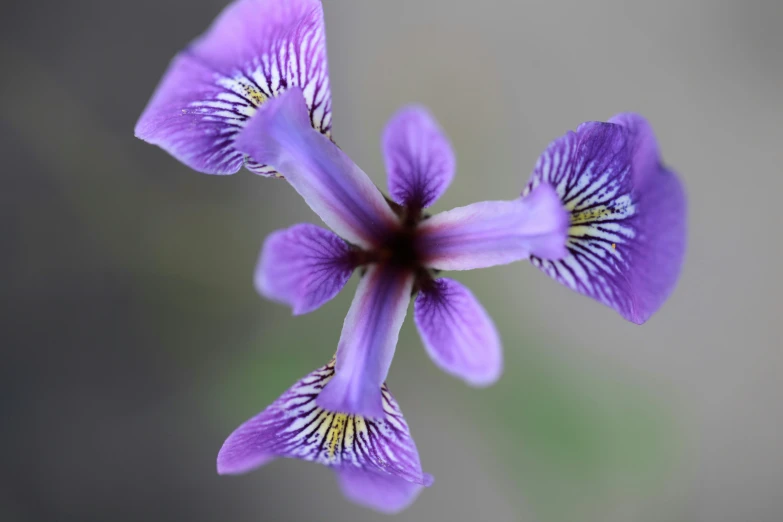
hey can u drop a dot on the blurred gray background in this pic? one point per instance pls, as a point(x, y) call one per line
point(133, 342)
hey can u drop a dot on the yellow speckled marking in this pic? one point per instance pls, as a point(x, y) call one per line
point(336, 432)
point(580, 231)
point(590, 215)
point(297, 427)
point(336, 428)
point(349, 434)
point(256, 96)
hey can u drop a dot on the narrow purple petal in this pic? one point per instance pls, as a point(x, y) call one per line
point(294, 426)
point(379, 491)
point(367, 342)
point(626, 239)
point(419, 160)
point(334, 187)
point(303, 266)
point(254, 50)
point(495, 232)
point(458, 333)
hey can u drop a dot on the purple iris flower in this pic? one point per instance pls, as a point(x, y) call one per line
point(600, 214)
point(400, 249)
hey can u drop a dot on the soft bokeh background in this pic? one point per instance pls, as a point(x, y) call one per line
point(133, 341)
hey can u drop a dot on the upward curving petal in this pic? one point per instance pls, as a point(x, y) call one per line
point(626, 239)
point(420, 162)
point(368, 341)
point(334, 187)
point(493, 233)
point(254, 50)
point(376, 459)
point(303, 266)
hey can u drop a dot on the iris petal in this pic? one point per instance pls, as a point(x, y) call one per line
point(419, 160)
point(458, 333)
point(334, 187)
point(368, 341)
point(626, 239)
point(374, 456)
point(255, 50)
point(303, 266)
point(380, 491)
point(493, 233)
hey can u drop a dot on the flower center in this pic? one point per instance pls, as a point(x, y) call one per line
point(401, 248)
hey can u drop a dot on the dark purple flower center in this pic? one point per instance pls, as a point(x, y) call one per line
point(401, 248)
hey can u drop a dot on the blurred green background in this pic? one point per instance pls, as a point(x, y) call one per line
point(134, 343)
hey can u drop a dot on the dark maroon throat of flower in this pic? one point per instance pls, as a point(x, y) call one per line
point(401, 249)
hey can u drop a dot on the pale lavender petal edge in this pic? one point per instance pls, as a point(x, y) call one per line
point(379, 491)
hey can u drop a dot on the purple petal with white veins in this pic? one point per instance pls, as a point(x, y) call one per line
point(335, 188)
point(626, 239)
point(367, 342)
point(493, 233)
point(419, 160)
point(254, 50)
point(303, 266)
point(380, 450)
point(458, 333)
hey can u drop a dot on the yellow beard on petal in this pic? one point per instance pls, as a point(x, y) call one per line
point(255, 95)
point(592, 214)
point(336, 432)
